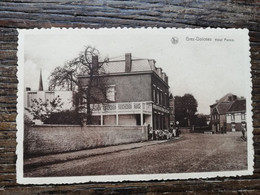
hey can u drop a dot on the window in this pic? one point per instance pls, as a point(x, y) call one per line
point(110, 93)
point(161, 98)
point(232, 117)
point(154, 95)
point(158, 97)
point(243, 116)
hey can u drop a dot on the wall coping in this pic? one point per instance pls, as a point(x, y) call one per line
point(61, 125)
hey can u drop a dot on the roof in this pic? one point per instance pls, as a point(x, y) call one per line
point(228, 97)
point(223, 107)
point(138, 65)
point(238, 106)
point(119, 66)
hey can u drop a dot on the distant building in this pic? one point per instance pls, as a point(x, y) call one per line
point(218, 113)
point(236, 115)
point(138, 92)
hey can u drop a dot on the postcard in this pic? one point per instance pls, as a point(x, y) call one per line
point(126, 104)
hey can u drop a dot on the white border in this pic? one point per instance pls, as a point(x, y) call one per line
point(119, 178)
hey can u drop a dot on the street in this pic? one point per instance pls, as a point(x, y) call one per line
point(191, 153)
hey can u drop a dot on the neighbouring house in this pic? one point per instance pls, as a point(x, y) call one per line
point(66, 97)
point(218, 113)
point(138, 94)
point(46, 96)
point(236, 115)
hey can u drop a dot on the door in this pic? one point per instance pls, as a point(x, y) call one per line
point(233, 127)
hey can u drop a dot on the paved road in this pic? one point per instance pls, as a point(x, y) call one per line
point(192, 153)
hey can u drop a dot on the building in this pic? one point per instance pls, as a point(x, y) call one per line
point(66, 97)
point(138, 94)
point(218, 113)
point(236, 115)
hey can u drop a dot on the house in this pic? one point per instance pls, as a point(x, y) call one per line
point(138, 93)
point(218, 112)
point(236, 115)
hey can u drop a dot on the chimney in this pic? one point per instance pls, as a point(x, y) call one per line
point(40, 82)
point(128, 62)
point(163, 76)
point(166, 78)
point(152, 64)
point(159, 72)
point(95, 65)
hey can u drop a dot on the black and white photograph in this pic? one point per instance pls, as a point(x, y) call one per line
point(106, 105)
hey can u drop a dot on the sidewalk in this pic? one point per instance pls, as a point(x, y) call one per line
point(63, 157)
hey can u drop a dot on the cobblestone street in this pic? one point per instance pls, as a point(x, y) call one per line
point(191, 153)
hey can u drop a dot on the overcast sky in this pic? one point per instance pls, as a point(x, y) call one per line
point(206, 68)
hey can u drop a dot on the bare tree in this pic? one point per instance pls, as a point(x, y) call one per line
point(66, 77)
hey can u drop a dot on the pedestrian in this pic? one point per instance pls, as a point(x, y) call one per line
point(177, 132)
point(150, 133)
point(243, 132)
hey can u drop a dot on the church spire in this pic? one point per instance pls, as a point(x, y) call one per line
point(40, 82)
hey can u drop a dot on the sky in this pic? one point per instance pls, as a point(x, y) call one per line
point(206, 63)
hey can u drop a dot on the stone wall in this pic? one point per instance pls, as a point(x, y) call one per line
point(50, 139)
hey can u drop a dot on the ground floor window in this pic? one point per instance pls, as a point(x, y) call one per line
point(160, 120)
point(233, 127)
point(243, 116)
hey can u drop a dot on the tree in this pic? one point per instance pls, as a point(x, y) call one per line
point(66, 77)
point(201, 120)
point(41, 110)
point(185, 109)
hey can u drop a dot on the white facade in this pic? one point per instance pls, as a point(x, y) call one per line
point(236, 117)
point(123, 113)
point(66, 97)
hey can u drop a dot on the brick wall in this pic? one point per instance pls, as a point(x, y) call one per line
point(129, 88)
point(49, 139)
